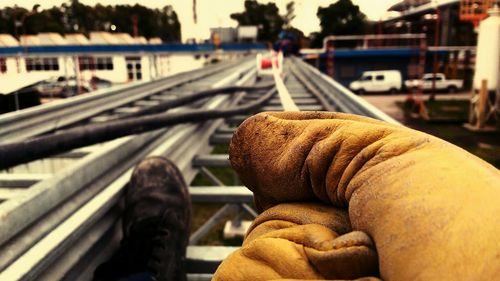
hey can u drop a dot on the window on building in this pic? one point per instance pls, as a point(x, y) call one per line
point(134, 68)
point(42, 64)
point(93, 63)
point(104, 63)
point(86, 63)
point(3, 65)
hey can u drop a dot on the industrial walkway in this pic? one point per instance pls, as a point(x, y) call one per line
point(387, 103)
point(60, 214)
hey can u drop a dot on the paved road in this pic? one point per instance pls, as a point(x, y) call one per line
point(387, 103)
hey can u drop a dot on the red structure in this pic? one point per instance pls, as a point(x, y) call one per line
point(475, 10)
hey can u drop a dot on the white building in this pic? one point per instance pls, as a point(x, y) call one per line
point(111, 56)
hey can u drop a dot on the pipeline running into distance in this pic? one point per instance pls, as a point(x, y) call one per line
point(16, 153)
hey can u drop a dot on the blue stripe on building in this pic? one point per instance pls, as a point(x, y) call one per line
point(160, 48)
point(350, 64)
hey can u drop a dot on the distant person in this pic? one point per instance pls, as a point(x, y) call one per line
point(288, 43)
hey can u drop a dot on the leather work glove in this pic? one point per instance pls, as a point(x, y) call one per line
point(346, 197)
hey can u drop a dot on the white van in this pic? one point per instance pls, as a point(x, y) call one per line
point(378, 81)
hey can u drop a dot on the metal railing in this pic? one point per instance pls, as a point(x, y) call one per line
point(69, 219)
point(74, 212)
point(341, 98)
point(41, 119)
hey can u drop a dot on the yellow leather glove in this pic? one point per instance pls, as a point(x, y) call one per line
point(431, 209)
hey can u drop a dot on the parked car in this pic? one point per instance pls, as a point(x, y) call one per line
point(442, 84)
point(62, 87)
point(378, 81)
point(99, 83)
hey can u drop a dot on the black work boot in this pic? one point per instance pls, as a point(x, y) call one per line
point(156, 224)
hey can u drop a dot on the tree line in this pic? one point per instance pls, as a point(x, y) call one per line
point(75, 17)
point(339, 18)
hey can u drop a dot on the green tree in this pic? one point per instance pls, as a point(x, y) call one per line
point(10, 17)
point(340, 18)
point(74, 16)
point(290, 14)
point(265, 16)
point(44, 21)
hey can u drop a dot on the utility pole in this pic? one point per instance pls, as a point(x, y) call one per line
point(135, 21)
point(195, 16)
point(432, 96)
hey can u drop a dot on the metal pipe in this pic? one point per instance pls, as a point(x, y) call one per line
point(16, 126)
point(194, 97)
point(43, 146)
point(220, 215)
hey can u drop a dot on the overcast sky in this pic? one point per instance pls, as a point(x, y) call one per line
point(213, 13)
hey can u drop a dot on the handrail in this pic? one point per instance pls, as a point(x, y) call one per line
point(347, 100)
point(41, 119)
point(82, 184)
point(88, 191)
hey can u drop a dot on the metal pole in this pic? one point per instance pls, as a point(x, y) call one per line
point(483, 102)
point(135, 28)
point(195, 16)
point(432, 96)
point(329, 60)
point(76, 62)
point(65, 75)
point(16, 101)
point(497, 99)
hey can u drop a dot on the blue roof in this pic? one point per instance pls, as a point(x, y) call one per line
point(153, 48)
